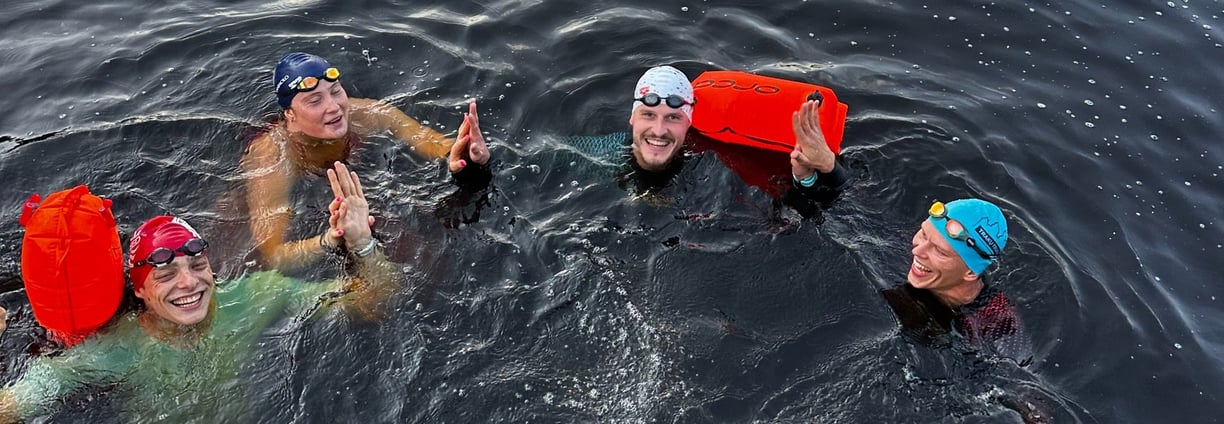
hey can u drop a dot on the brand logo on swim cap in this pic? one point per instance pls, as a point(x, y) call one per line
point(644, 91)
point(281, 83)
point(982, 233)
point(185, 225)
point(135, 242)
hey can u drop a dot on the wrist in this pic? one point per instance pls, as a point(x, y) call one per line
point(328, 244)
point(473, 177)
point(805, 181)
point(364, 249)
point(826, 166)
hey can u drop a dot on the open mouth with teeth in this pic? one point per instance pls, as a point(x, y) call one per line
point(190, 301)
point(919, 270)
point(335, 121)
point(658, 142)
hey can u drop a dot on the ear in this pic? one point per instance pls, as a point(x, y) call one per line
point(140, 293)
point(971, 276)
point(290, 115)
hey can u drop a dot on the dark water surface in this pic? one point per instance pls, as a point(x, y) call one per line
point(559, 298)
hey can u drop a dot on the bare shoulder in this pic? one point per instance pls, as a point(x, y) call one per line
point(266, 155)
point(358, 103)
point(368, 108)
point(262, 151)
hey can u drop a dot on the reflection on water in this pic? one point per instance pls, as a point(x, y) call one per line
point(556, 296)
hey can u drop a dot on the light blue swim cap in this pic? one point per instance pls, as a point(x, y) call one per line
point(985, 233)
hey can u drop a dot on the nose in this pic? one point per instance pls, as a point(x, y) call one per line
point(919, 249)
point(188, 281)
point(658, 128)
point(333, 104)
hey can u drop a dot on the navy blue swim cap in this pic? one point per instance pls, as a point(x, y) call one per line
point(290, 72)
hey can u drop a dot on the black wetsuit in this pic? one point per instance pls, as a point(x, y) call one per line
point(989, 322)
point(617, 148)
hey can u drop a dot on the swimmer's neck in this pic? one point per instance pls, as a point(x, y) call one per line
point(961, 295)
point(307, 140)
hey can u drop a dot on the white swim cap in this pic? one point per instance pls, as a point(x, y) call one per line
point(665, 81)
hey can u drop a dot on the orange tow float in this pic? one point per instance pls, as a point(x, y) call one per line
point(755, 110)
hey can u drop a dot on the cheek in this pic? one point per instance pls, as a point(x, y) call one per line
point(945, 263)
point(314, 113)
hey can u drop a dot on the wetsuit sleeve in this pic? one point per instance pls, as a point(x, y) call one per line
point(807, 200)
point(835, 180)
point(474, 177)
point(607, 147)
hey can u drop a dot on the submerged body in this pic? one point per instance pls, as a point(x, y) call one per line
point(321, 126)
point(167, 380)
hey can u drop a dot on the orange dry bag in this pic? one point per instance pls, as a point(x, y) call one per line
point(71, 262)
point(755, 110)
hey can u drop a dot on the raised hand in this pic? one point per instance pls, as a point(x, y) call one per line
point(469, 142)
point(350, 213)
point(811, 153)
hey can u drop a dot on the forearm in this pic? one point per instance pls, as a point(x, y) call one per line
point(8, 407)
point(293, 254)
point(375, 279)
point(807, 197)
point(425, 141)
point(837, 178)
point(474, 177)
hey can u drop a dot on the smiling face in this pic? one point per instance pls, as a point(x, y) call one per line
point(936, 265)
point(658, 135)
point(320, 113)
point(180, 291)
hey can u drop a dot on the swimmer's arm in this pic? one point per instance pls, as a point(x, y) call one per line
point(374, 281)
point(814, 166)
point(268, 185)
point(426, 141)
point(812, 154)
point(8, 407)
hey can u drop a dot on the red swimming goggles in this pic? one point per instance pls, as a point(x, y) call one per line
point(673, 101)
point(939, 211)
point(310, 83)
point(163, 256)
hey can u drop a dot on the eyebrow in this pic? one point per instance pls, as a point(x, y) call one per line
point(168, 269)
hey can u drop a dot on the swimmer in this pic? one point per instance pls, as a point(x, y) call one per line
point(946, 287)
point(660, 122)
point(177, 353)
point(322, 125)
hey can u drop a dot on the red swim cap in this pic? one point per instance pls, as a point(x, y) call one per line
point(161, 231)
